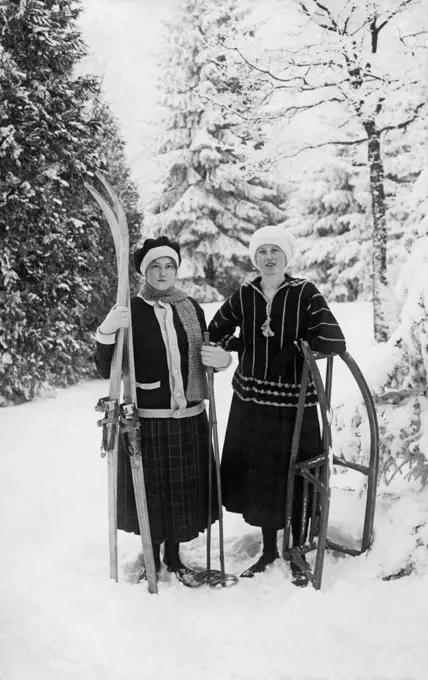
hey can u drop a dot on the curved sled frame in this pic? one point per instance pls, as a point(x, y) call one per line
point(315, 472)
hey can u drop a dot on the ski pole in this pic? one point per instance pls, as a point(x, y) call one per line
point(214, 577)
point(210, 375)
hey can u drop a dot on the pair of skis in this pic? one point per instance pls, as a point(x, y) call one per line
point(121, 418)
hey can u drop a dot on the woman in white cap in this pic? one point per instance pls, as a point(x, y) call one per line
point(167, 328)
point(273, 312)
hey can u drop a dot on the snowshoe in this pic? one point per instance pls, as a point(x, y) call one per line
point(187, 576)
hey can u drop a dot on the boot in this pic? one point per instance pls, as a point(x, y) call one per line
point(269, 555)
point(171, 556)
point(260, 565)
point(156, 557)
point(172, 560)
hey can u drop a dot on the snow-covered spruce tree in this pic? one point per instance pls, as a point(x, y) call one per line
point(211, 198)
point(363, 59)
point(329, 208)
point(56, 255)
point(398, 371)
point(328, 213)
point(404, 153)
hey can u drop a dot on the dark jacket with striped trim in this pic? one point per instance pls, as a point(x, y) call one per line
point(150, 354)
point(270, 368)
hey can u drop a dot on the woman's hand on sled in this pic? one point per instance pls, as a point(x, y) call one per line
point(118, 317)
point(215, 357)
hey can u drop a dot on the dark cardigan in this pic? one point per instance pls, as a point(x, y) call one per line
point(150, 355)
point(174, 450)
point(270, 368)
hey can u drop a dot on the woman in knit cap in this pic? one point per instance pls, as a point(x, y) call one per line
point(167, 328)
point(272, 312)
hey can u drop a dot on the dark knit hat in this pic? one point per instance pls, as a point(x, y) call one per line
point(154, 248)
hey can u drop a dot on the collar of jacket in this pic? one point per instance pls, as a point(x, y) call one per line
point(257, 284)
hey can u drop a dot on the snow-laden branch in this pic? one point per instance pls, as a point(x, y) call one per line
point(403, 124)
point(324, 10)
point(393, 13)
point(219, 104)
point(291, 111)
point(348, 18)
point(331, 142)
point(399, 396)
point(264, 71)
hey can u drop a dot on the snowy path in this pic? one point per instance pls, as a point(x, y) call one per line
point(61, 618)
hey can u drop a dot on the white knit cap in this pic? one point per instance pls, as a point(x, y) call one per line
point(154, 253)
point(272, 235)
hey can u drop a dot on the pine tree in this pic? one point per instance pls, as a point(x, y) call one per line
point(399, 381)
point(329, 209)
point(404, 156)
point(328, 214)
point(56, 258)
point(363, 59)
point(211, 198)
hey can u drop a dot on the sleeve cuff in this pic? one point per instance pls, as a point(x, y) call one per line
point(104, 338)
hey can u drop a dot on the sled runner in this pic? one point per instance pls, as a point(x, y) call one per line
point(315, 472)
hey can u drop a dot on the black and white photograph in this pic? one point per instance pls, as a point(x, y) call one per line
point(213, 339)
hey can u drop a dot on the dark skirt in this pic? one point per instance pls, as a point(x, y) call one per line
point(255, 461)
point(175, 462)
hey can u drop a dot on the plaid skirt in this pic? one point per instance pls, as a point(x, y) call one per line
point(255, 461)
point(175, 461)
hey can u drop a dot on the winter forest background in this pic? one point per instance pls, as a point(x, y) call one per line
point(232, 115)
point(212, 119)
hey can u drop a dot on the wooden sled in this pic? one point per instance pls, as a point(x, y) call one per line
point(315, 472)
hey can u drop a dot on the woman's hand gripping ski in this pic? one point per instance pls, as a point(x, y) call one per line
point(118, 317)
point(215, 357)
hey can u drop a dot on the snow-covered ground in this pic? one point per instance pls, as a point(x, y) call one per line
point(62, 618)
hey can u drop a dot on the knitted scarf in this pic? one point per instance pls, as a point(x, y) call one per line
point(197, 388)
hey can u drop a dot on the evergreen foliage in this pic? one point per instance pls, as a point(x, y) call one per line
point(399, 381)
point(329, 211)
point(56, 258)
point(404, 158)
point(212, 197)
point(358, 61)
point(328, 214)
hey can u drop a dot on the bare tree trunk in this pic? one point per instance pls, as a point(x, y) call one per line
point(377, 191)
